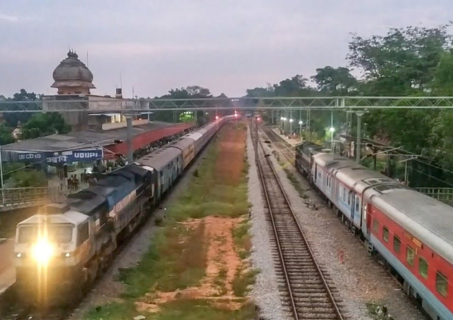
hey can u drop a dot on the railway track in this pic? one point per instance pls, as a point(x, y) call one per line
point(307, 292)
point(289, 153)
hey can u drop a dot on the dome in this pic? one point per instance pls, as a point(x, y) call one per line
point(71, 72)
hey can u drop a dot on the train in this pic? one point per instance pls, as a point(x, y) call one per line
point(409, 232)
point(65, 247)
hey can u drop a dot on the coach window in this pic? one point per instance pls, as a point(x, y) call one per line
point(410, 255)
point(396, 244)
point(423, 267)
point(83, 233)
point(385, 234)
point(441, 284)
point(375, 225)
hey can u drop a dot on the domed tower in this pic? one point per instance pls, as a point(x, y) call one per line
point(72, 76)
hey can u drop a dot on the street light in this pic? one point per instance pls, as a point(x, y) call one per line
point(283, 123)
point(300, 129)
point(291, 126)
point(332, 130)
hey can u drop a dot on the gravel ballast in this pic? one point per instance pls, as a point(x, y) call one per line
point(265, 291)
point(359, 279)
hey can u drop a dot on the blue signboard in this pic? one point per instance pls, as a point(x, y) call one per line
point(53, 158)
point(29, 157)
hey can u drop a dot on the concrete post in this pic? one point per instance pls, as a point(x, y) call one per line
point(130, 153)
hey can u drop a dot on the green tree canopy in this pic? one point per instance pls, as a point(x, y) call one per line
point(44, 124)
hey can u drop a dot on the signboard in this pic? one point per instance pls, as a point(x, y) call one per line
point(53, 158)
point(33, 157)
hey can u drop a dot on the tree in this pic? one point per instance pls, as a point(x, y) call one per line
point(403, 60)
point(28, 178)
point(190, 92)
point(44, 124)
point(12, 119)
point(6, 135)
point(334, 81)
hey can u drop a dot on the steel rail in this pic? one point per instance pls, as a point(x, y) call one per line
point(302, 236)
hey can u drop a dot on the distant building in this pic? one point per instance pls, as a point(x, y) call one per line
point(74, 81)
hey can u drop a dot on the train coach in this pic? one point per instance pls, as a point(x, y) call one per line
point(408, 231)
point(61, 250)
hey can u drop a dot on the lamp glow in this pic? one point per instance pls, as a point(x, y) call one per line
point(291, 120)
point(42, 252)
point(301, 122)
point(332, 129)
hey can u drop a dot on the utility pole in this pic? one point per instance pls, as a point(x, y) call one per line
point(359, 134)
point(130, 154)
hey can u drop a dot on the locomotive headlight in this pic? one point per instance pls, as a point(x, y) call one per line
point(42, 252)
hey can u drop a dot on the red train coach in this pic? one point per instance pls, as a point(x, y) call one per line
point(414, 233)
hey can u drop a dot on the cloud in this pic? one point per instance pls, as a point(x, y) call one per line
point(14, 19)
point(227, 46)
point(8, 18)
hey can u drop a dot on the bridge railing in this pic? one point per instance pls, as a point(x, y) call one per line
point(441, 194)
point(17, 197)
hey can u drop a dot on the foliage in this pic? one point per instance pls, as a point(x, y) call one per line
point(411, 61)
point(44, 124)
point(190, 92)
point(12, 119)
point(28, 178)
point(6, 134)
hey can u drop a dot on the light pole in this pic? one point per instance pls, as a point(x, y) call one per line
point(291, 127)
point(300, 129)
point(359, 134)
point(332, 130)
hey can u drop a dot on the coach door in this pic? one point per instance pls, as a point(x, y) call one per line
point(351, 202)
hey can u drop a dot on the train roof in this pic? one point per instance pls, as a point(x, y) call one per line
point(331, 160)
point(194, 136)
point(71, 217)
point(426, 218)
point(93, 191)
point(84, 206)
point(159, 159)
point(139, 171)
point(182, 143)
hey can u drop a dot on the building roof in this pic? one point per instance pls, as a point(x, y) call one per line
point(71, 72)
point(77, 140)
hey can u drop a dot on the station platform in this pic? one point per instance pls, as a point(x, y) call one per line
point(7, 271)
point(292, 141)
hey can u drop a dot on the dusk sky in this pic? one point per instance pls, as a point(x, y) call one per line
point(226, 46)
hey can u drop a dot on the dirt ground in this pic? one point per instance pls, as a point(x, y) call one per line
point(222, 259)
point(231, 153)
point(222, 263)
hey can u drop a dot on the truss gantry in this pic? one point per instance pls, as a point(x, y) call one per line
point(109, 105)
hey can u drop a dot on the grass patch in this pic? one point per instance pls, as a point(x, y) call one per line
point(176, 258)
point(296, 184)
point(242, 240)
point(243, 280)
point(375, 311)
point(203, 310)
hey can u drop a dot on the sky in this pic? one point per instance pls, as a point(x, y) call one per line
point(224, 45)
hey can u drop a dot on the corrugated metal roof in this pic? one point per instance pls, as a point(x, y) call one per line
point(81, 139)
